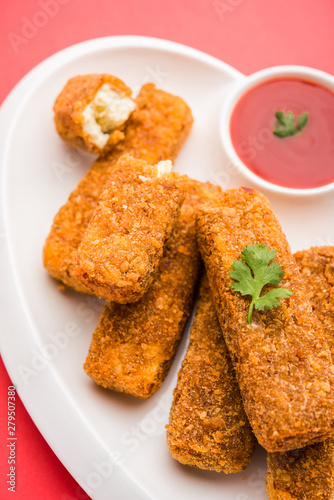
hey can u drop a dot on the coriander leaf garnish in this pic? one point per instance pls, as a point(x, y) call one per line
point(286, 124)
point(255, 271)
point(302, 121)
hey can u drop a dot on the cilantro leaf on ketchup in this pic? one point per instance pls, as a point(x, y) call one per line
point(287, 125)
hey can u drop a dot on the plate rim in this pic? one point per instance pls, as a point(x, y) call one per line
point(11, 107)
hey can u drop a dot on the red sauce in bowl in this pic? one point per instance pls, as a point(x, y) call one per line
point(304, 160)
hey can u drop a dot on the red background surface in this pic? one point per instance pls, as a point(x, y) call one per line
point(248, 34)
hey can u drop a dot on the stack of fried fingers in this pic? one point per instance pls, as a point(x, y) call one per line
point(127, 232)
point(135, 234)
point(282, 373)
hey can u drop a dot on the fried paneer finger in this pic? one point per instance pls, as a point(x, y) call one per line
point(154, 132)
point(134, 344)
point(282, 361)
point(307, 473)
point(316, 267)
point(91, 110)
point(302, 474)
point(124, 241)
point(208, 427)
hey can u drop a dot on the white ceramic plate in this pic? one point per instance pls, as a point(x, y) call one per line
point(113, 445)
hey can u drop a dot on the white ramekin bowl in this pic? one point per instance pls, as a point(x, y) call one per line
point(243, 86)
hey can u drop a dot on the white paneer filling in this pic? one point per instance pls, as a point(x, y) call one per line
point(164, 167)
point(106, 112)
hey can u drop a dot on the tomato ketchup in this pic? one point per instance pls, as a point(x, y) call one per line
point(304, 160)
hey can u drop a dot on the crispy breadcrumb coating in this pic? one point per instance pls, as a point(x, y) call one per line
point(155, 131)
point(316, 267)
point(134, 344)
point(124, 241)
point(308, 473)
point(208, 427)
point(282, 361)
point(70, 106)
point(304, 474)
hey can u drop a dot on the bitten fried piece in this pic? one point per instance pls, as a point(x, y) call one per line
point(134, 344)
point(123, 244)
point(282, 361)
point(91, 110)
point(307, 473)
point(208, 427)
point(154, 132)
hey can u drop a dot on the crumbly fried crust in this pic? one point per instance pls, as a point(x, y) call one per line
point(208, 427)
point(78, 92)
point(282, 360)
point(123, 243)
point(134, 345)
point(316, 267)
point(304, 474)
point(155, 131)
point(307, 473)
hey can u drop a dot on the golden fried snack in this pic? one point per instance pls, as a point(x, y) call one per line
point(208, 427)
point(304, 474)
point(307, 473)
point(124, 241)
point(91, 110)
point(155, 131)
point(316, 267)
point(282, 361)
point(134, 344)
